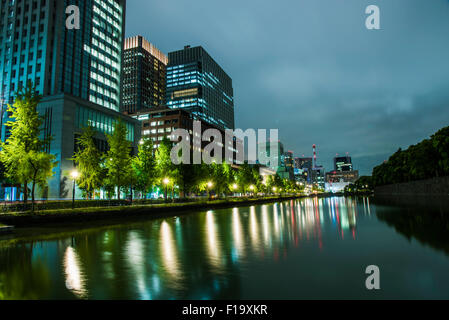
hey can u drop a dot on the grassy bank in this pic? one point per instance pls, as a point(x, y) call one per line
point(84, 215)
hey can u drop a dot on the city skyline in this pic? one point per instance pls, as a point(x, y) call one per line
point(322, 65)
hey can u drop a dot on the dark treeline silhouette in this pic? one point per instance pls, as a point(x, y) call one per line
point(428, 159)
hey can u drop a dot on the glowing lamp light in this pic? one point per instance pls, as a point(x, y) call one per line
point(74, 174)
point(166, 181)
point(235, 187)
point(210, 184)
point(251, 187)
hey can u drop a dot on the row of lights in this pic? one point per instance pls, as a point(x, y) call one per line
point(75, 175)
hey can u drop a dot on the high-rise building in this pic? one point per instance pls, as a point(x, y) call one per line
point(319, 176)
point(303, 169)
point(272, 155)
point(342, 164)
point(78, 72)
point(289, 165)
point(196, 83)
point(144, 76)
point(36, 46)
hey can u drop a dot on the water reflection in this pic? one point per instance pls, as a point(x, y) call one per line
point(213, 243)
point(199, 256)
point(237, 234)
point(169, 253)
point(75, 280)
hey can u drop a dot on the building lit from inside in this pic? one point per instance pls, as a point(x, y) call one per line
point(197, 84)
point(78, 73)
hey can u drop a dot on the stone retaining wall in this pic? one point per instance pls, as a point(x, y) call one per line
point(431, 187)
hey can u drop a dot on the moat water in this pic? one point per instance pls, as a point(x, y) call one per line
point(304, 249)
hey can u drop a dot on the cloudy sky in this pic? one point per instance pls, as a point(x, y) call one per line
point(313, 70)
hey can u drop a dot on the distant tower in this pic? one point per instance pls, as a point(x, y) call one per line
point(314, 156)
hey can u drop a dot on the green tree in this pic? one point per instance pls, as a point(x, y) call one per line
point(166, 171)
point(145, 167)
point(221, 176)
point(164, 165)
point(441, 143)
point(246, 177)
point(118, 158)
point(190, 177)
point(88, 161)
point(23, 153)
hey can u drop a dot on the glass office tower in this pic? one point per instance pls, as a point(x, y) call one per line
point(36, 46)
point(195, 82)
point(78, 72)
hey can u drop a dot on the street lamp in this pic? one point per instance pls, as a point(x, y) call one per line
point(274, 189)
point(74, 175)
point(251, 187)
point(166, 181)
point(209, 186)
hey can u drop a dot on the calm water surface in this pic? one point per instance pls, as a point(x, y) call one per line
point(305, 249)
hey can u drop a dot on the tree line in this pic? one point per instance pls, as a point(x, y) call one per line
point(425, 160)
point(25, 162)
point(152, 169)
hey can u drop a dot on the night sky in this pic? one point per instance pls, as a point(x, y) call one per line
point(311, 68)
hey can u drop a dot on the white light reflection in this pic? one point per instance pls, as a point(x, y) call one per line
point(369, 207)
point(237, 233)
point(276, 220)
point(135, 253)
point(265, 226)
point(213, 245)
point(169, 253)
point(254, 228)
point(75, 279)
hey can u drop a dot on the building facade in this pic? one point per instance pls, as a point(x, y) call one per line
point(77, 71)
point(343, 163)
point(160, 123)
point(289, 165)
point(336, 181)
point(271, 154)
point(144, 76)
point(196, 83)
point(303, 169)
point(342, 176)
point(66, 117)
point(319, 176)
point(37, 47)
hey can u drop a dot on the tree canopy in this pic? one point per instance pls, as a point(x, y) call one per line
point(425, 160)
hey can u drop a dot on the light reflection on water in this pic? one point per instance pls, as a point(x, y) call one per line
point(282, 250)
point(75, 279)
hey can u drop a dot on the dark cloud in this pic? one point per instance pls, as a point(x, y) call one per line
point(312, 69)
